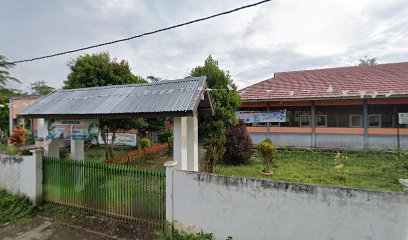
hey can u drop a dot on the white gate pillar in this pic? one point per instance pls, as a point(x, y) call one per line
point(180, 142)
point(77, 149)
point(51, 148)
point(192, 144)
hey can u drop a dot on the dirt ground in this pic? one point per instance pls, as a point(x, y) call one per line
point(88, 227)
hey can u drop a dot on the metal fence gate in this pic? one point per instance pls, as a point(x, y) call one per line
point(117, 191)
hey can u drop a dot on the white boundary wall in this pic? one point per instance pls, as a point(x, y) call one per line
point(261, 209)
point(22, 175)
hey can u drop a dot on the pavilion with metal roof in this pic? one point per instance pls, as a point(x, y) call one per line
point(182, 99)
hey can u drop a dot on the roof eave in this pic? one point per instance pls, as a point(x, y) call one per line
point(322, 98)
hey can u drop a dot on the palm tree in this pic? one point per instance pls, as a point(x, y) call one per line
point(4, 74)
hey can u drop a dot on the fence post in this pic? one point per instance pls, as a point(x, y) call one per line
point(37, 169)
point(169, 190)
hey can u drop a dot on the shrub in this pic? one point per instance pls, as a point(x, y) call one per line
point(238, 147)
point(267, 152)
point(13, 208)
point(12, 150)
point(18, 137)
point(144, 143)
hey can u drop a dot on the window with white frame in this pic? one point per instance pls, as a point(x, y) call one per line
point(374, 120)
point(321, 120)
point(356, 120)
point(305, 120)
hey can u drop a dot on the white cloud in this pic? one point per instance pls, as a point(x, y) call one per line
point(251, 44)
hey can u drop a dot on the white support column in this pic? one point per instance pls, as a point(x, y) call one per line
point(42, 130)
point(35, 177)
point(192, 144)
point(77, 149)
point(51, 148)
point(180, 142)
point(169, 166)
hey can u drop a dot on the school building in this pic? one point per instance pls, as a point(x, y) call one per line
point(347, 107)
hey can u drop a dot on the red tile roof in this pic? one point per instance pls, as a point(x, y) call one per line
point(382, 80)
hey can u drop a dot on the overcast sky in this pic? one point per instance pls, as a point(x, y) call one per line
point(252, 44)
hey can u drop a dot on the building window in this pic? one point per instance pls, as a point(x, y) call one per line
point(374, 120)
point(356, 120)
point(305, 120)
point(387, 121)
point(274, 124)
point(321, 120)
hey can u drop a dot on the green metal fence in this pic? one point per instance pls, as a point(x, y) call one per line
point(117, 191)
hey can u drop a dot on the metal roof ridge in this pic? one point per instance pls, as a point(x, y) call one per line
point(201, 78)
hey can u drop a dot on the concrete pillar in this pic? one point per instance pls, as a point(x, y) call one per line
point(268, 124)
point(42, 129)
point(35, 177)
point(77, 149)
point(365, 123)
point(51, 148)
point(313, 123)
point(169, 166)
point(192, 144)
point(180, 142)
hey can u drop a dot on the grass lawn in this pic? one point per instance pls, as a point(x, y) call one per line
point(375, 170)
point(98, 154)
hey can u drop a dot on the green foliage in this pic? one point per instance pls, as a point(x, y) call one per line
point(4, 74)
point(64, 153)
point(238, 147)
point(144, 143)
point(340, 160)
point(41, 88)
point(214, 146)
point(225, 102)
point(12, 150)
point(368, 61)
point(267, 152)
point(99, 70)
point(5, 95)
point(364, 170)
point(13, 208)
point(173, 234)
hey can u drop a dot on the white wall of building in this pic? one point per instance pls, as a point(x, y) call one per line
point(260, 209)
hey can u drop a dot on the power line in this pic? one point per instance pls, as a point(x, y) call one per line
point(143, 34)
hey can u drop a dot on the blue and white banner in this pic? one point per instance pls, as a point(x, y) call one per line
point(261, 117)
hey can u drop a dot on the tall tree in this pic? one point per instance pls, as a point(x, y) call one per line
point(153, 78)
point(100, 70)
point(40, 88)
point(5, 94)
point(367, 61)
point(225, 103)
point(4, 74)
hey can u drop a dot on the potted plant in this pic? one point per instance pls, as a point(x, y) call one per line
point(267, 152)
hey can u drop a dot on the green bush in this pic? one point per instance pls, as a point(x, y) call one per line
point(238, 146)
point(267, 152)
point(12, 150)
point(64, 153)
point(170, 140)
point(144, 143)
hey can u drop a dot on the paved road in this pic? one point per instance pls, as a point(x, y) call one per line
point(47, 229)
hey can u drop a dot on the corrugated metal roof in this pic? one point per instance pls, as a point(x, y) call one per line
point(165, 98)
